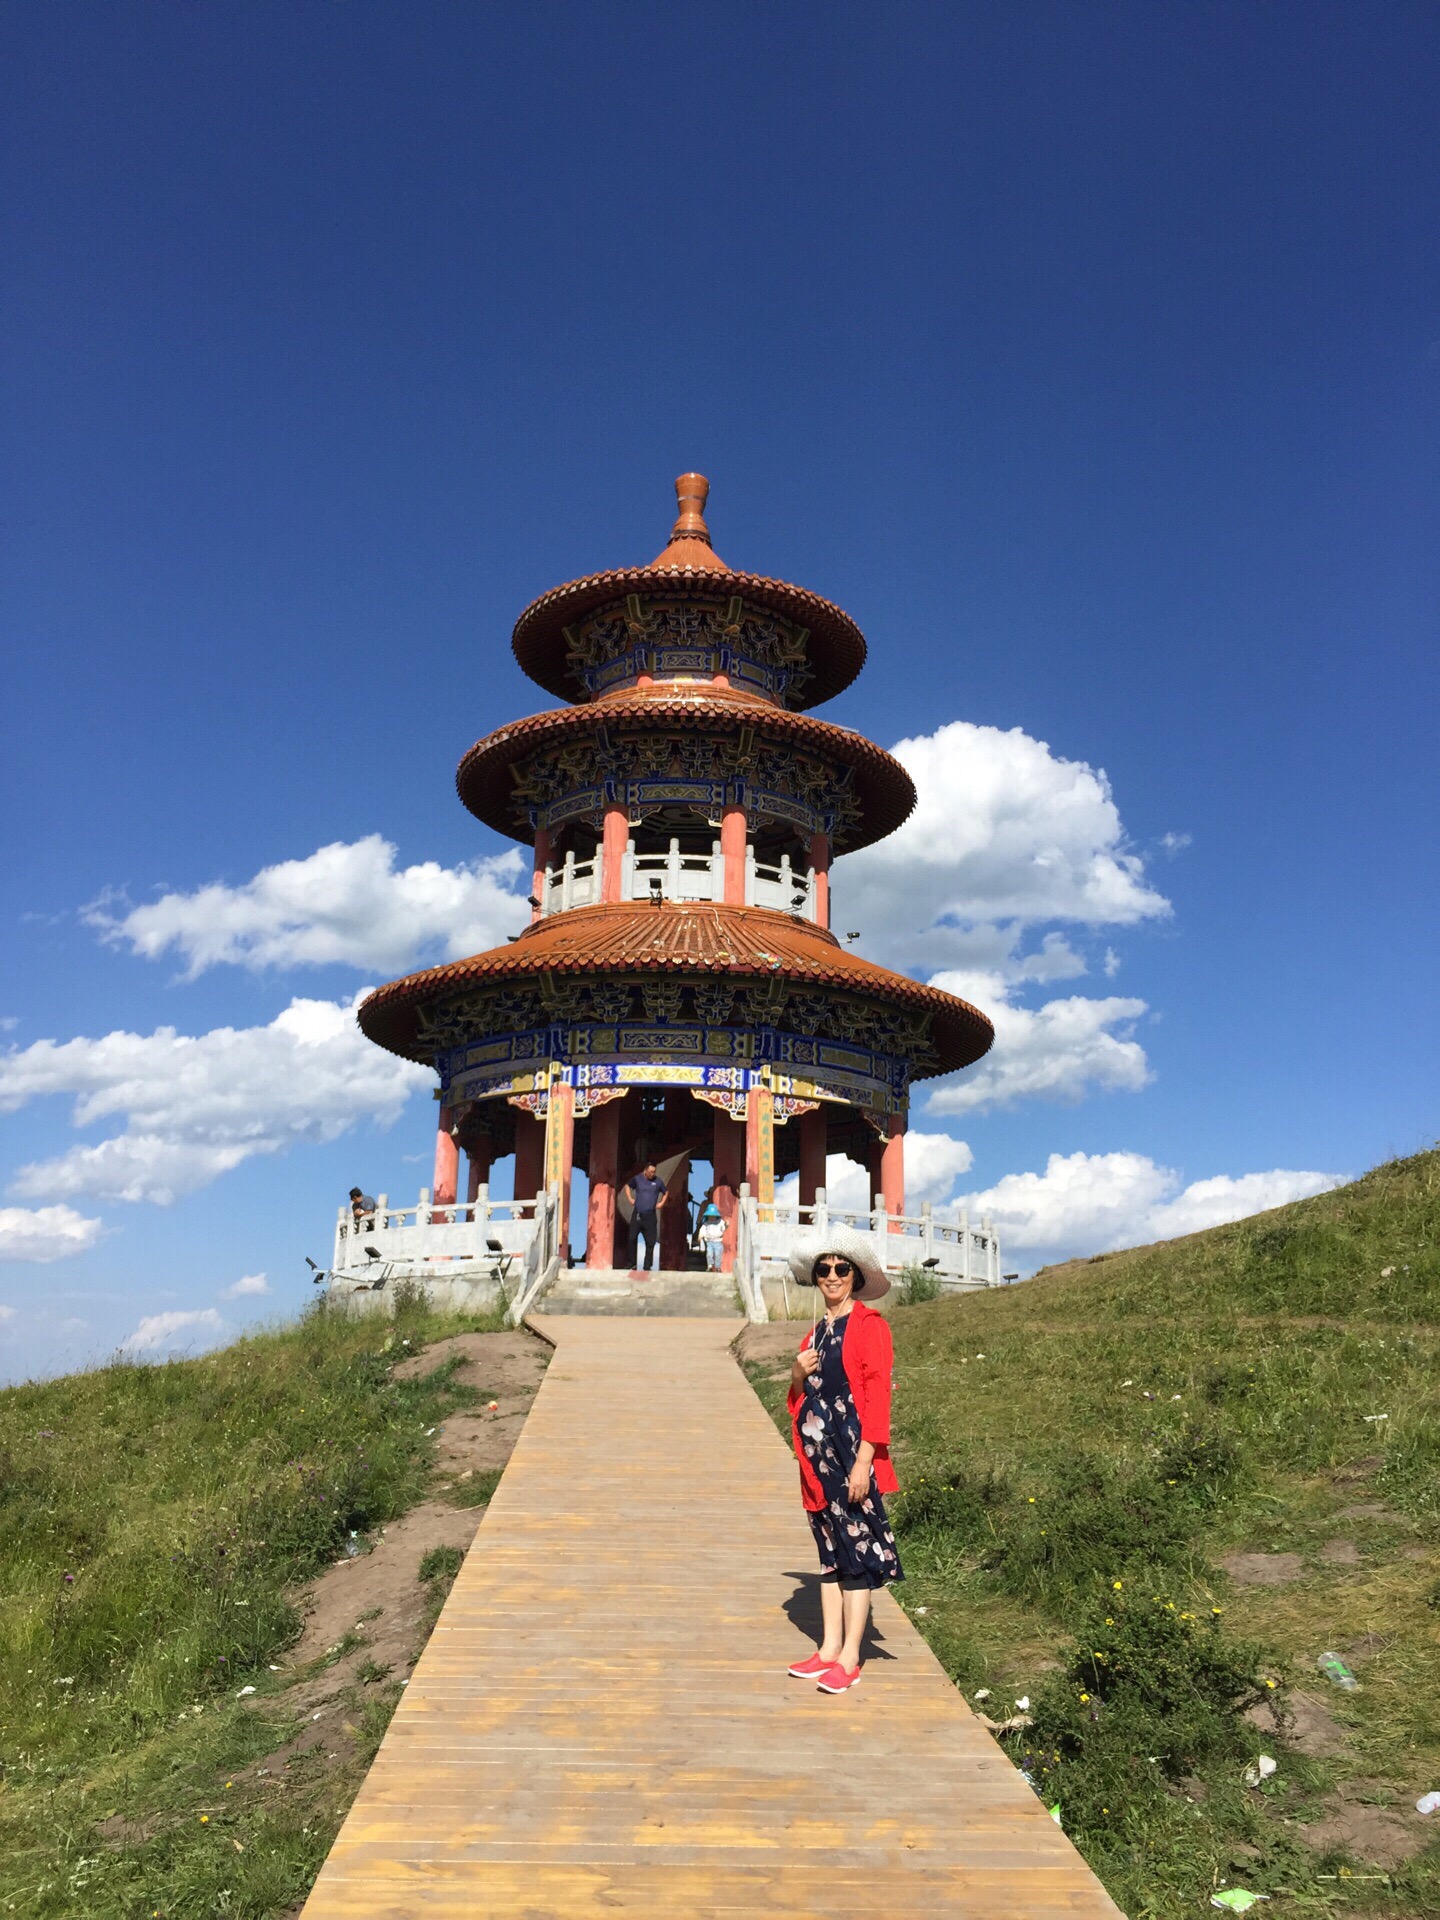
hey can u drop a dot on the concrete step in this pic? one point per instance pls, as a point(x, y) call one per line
point(709, 1296)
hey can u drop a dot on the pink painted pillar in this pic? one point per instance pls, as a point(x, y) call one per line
point(814, 1129)
point(728, 1159)
point(604, 1179)
point(892, 1167)
point(612, 858)
point(542, 860)
point(820, 861)
point(732, 849)
point(447, 1160)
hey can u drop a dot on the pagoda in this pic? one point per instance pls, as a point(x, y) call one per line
point(678, 992)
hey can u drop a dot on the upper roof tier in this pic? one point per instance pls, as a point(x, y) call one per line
point(688, 616)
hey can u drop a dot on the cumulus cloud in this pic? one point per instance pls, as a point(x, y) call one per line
point(1004, 831)
point(1059, 1051)
point(195, 1106)
point(247, 1284)
point(45, 1233)
point(933, 1163)
point(345, 904)
point(174, 1332)
point(1005, 837)
point(1091, 1203)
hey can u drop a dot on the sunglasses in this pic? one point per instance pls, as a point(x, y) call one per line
point(841, 1269)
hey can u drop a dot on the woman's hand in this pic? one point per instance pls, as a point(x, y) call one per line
point(857, 1488)
point(806, 1363)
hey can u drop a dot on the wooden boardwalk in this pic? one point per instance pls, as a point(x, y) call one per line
point(602, 1721)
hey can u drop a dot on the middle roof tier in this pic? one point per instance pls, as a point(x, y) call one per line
point(663, 752)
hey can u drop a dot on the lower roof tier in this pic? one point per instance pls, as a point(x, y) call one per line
point(698, 744)
point(749, 944)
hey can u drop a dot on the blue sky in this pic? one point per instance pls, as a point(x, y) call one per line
point(1089, 356)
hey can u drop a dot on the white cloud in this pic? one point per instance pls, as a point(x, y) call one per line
point(247, 1284)
point(1091, 1203)
point(1003, 831)
point(45, 1233)
point(345, 904)
point(7, 1313)
point(933, 1163)
point(1059, 1051)
point(159, 1332)
point(197, 1105)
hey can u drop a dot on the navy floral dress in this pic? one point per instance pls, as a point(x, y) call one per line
point(855, 1542)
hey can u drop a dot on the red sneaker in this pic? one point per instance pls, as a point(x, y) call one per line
point(810, 1669)
point(836, 1680)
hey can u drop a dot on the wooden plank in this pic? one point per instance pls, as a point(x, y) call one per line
point(602, 1721)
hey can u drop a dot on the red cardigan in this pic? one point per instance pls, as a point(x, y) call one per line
point(869, 1356)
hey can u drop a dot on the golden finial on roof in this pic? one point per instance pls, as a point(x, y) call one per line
point(692, 490)
point(689, 544)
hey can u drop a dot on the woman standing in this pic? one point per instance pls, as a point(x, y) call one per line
point(839, 1403)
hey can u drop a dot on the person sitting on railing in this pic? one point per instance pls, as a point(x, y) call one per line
point(362, 1210)
point(646, 1194)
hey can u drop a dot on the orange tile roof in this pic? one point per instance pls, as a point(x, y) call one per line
point(882, 786)
point(689, 565)
point(749, 942)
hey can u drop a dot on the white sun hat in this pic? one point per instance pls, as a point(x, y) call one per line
point(871, 1280)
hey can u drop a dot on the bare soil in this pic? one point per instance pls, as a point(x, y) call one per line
point(1341, 1553)
point(1382, 1836)
point(770, 1345)
point(1263, 1569)
point(1304, 1723)
point(377, 1599)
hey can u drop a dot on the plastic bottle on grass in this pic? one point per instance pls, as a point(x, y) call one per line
point(1336, 1671)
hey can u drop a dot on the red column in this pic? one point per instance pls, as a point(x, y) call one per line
point(892, 1166)
point(616, 838)
point(604, 1177)
point(820, 861)
point(814, 1130)
point(732, 848)
point(542, 860)
point(727, 1157)
point(529, 1154)
point(447, 1160)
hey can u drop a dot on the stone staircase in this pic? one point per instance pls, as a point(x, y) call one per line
point(707, 1296)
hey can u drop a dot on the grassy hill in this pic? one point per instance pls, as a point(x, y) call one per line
point(1101, 1468)
point(157, 1524)
point(1085, 1456)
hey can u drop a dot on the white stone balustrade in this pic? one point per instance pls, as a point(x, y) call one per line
point(962, 1254)
point(430, 1242)
point(673, 875)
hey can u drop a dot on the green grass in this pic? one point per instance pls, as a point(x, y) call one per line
point(1133, 1419)
point(154, 1523)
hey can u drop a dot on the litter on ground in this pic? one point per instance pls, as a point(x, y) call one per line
point(1260, 1770)
point(1236, 1899)
point(1428, 1803)
point(1336, 1671)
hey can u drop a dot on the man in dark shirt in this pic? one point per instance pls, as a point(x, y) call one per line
point(646, 1194)
point(362, 1208)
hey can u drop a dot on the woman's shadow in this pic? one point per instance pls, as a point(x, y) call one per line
point(802, 1609)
